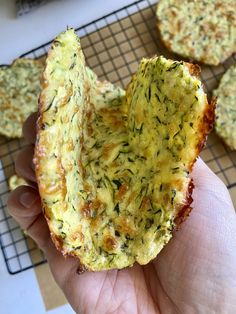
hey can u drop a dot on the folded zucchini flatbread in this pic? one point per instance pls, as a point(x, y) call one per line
point(113, 166)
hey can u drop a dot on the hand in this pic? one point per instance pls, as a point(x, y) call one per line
point(194, 273)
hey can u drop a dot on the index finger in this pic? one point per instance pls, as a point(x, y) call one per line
point(29, 128)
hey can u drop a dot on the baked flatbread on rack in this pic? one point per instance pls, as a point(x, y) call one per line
point(225, 124)
point(204, 31)
point(19, 92)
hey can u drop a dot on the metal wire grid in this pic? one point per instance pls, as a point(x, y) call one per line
point(19, 251)
point(113, 46)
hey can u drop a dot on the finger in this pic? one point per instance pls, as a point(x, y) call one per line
point(207, 181)
point(62, 267)
point(29, 128)
point(202, 171)
point(25, 207)
point(24, 163)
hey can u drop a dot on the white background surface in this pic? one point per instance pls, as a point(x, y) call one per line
point(19, 35)
point(20, 293)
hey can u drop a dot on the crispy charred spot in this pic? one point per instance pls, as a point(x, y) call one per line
point(47, 213)
point(62, 174)
point(110, 243)
point(89, 114)
point(194, 69)
point(78, 235)
point(146, 203)
point(86, 209)
point(186, 209)
point(97, 204)
point(122, 190)
point(58, 241)
point(89, 130)
point(124, 226)
point(64, 100)
point(107, 150)
point(81, 269)
point(207, 124)
point(166, 198)
point(116, 119)
point(90, 208)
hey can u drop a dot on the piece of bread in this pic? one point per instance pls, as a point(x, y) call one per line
point(225, 124)
point(204, 31)
point(113, 167)
point(15, 181)
point(19, 92)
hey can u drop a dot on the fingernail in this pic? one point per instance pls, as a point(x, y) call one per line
point(27, 199)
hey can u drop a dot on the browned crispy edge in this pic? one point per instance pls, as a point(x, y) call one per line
point(57, 240)
point(37, 153)
point(204, 129)
point(194, 69)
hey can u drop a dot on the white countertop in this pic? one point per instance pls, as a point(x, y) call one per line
point(19, 35)
point(20, 293)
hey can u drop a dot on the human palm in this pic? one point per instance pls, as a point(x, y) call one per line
point(194, 273)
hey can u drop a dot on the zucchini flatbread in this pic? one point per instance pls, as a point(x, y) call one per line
point(204, 31)
point(19, 92)
point(225, 124)
point(113, 166)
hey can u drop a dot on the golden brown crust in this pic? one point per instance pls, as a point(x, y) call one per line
point(186, 209)
point(207, 125)
point(194, 69)
point(204, 130)
point(81, 269)
point(39, 150)
point(58, 241)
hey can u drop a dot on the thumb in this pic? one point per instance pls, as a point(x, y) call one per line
point(209, 189)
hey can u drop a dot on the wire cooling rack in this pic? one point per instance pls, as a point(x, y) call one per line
point(113, 46)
